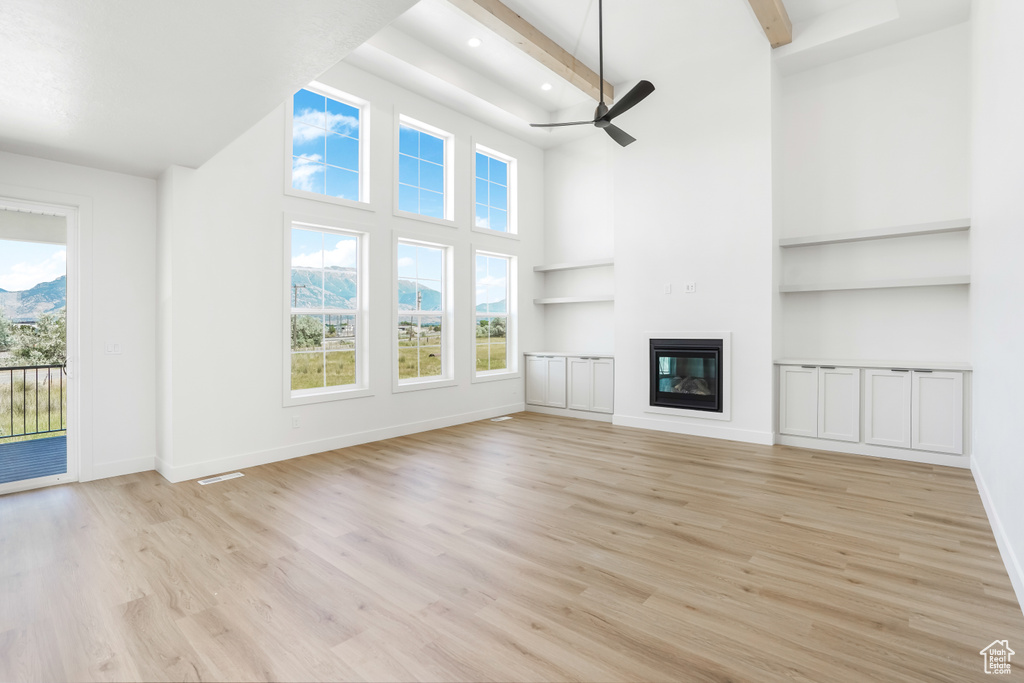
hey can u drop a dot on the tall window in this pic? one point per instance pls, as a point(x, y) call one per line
point(423, 170)
point(494, 193)
point(327, 154)
point(422, 312)
point(494, 300)
point(326, 313)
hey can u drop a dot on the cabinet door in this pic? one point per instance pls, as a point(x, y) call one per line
point(536, 380)
point(579, 383)
point(839, 404)
point(798, 400)
point(887, 399)
point(938, 412)
point(556, 382)
point(602, 385)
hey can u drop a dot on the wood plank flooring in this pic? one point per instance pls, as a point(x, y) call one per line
point(536, 549)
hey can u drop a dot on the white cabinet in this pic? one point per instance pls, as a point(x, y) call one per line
point(545, 381)
point(917, 409)
point(937, 409)
point(887, 399)
point(591, 383)
point(798, 400)
point(820, 402)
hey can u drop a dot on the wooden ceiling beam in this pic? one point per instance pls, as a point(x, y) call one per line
point(774, 20)
point(521, 33)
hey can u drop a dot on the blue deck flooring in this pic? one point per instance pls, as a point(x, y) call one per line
point(33, 459)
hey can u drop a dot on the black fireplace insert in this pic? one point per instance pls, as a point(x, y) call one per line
point(687, 373)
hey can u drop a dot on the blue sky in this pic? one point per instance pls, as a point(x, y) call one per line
point(23, 265)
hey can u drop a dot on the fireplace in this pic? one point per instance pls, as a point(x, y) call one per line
point(687, 374)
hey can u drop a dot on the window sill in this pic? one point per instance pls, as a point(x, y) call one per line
point(426, 219)
point(399, 388)
point(495, 376)
point(323, 396)
point(496, 233)
point(327, 199)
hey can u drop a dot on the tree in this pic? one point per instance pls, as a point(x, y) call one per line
point(307, 332)
point(44, 344)
point(6, 332)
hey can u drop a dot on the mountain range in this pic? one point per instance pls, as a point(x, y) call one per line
point(28, 305)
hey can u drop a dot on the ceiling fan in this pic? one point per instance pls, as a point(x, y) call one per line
point(602, 114)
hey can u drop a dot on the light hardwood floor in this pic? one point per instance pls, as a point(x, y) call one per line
point(540, 548)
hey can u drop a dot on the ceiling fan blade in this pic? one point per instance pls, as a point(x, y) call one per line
point(568, 123)
point(620, 136)
point(630, 99)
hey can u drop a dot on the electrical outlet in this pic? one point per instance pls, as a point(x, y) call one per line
point(668, 289)
point(295, 422)
point(691, 287)
point(113, 349)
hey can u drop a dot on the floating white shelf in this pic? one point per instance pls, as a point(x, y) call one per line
point(599, 263)
point(573, 300)
point(880, 284)
point(902, 364)
point(958, 225)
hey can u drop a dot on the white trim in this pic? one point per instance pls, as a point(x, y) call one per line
point(512, 212)
point(711, 431)
point(123, 467)
point(449, 373)
point(77, 212)
point(256, 458)
point(38, 482)
point(513, 369)
point(362, 386)
point(726, 370)
point(872, 450)
point(449, 171)
point(569, 412)
point(364, 148)
point(1014, 568)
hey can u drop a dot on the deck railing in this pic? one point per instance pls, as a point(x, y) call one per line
point(33, 401)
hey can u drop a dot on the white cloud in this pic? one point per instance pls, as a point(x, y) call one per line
point(336, 123)
point(406, 262)
point(304, 171)
point(22, 276)
point(343, 255)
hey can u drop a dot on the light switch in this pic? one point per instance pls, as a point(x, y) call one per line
point(113, 349)
point(691, 287)
point(668, 289)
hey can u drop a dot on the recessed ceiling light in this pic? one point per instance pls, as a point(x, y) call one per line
point(546, 86)
point(474, 42)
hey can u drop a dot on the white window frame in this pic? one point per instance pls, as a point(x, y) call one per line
point(447, 315)
point(362, 386)
point(364, 147)
point(513, 193)
point(449, 171)
point(512, 371)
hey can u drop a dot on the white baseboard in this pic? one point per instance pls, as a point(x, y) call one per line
point(712, 431)
point(906, 454)
point(236, 462)
point(569, 412)
point(1006, 551)
point(121, 467)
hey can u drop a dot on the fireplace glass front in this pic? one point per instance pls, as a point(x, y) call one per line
point(687, 373)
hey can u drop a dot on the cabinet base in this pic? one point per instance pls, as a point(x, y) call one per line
point(962, 461)
point(569, 412)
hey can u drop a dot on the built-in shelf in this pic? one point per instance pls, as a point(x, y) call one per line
point(958, 225)
point(879, 284)
point(884, 364)
point(599, 263)
point(573, 299)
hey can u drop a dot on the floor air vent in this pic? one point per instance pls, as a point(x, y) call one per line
point(500, 419)
point(223, 477)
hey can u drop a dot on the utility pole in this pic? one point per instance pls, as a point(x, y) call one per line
point(295, 294)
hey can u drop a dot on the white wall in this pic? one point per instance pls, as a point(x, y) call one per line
point(118, 288)
point(998, 286)
point(693, 202)
point(877, 140)
point(578, 220)
point(223, 228)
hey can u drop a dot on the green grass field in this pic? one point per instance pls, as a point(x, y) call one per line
point(308, 369)
point(29, 414)
point(491, 356)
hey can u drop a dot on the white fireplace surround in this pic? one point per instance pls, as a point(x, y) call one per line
point(726, 370)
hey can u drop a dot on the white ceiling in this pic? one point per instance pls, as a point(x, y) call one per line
point(135, 86)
